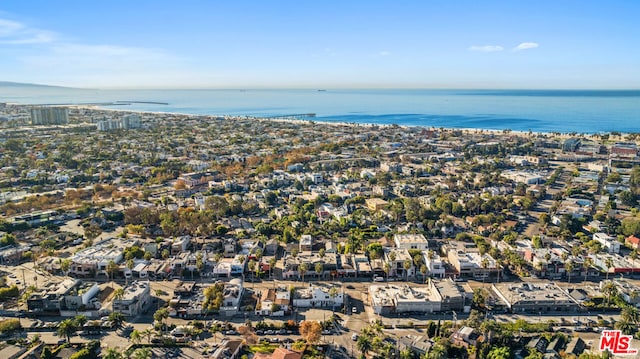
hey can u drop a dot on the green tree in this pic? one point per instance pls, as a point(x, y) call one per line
point(161, 315)
point(319, 267)
point(363, 344)
point(630, 314)
point(66, 329)
point(112, 353)
point(135, 336)
point(499, 353)
point(142, 353)
point(80, 320)
point(116, 318)
point(437, 351)
point(569, 267)
point(302, 269)
point(112, 269)
point(407, 265)
point(609, 289)
point(386, 268)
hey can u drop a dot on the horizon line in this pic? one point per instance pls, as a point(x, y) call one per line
point(318, 88)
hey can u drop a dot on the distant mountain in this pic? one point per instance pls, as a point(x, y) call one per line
point(22, 84)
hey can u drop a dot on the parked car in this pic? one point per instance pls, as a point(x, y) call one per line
point(354, 337)
point(354, 310)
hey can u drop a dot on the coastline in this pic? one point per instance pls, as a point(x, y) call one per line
point(343, 123)
point(320, 121)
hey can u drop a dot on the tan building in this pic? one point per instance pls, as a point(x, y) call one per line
point(376, 204)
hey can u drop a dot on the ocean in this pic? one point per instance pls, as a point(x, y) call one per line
point(581, 111)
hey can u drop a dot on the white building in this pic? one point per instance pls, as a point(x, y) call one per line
point(434, 265)
point(232, 292)
point(94, 260)
point(608, 242)
point(391, 298)
point(411, 241)
point(317, 295)
point(274, 302)
point(137, 297)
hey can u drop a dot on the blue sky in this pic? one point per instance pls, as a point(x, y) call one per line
point(321, 44)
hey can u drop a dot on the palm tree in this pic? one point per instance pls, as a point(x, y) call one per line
point(272, 263)
point(147, 333)
point(364, 344)
point(406, 265)
point(588, 262)
point(66, 328)
point(112, 353)
point(112, 268)
point(609, 263)
point(568, 267)
point(117, 295)
point(142, 353)
point(302, 269)
point(609, 289)
point(386, 268)
point(630, 314)
point(319, 267)
point(135, 336)
point(333, 293)
point(130, 265)
point(80, 320)
point(423, 271)
point(116, 318)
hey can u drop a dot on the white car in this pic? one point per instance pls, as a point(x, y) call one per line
point(354, 310)
point(378, 279)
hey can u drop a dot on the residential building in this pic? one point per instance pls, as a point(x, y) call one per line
point(609, 243)
point(94, 260)
point(411, 241)
point(632, 241)
point(465, 337)
point(274, 302)
point(228, 349)
point(136, 299)
point(571, 144)
point(47, 115)
point(473, 264)
point(279, 353)
point(233, 292)
point(306, 243)
point(50, 296)
point(318, 295)
point(435, 266)
point(376, 204)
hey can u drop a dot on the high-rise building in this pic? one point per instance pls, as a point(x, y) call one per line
point(45, 115)
point(126, 122)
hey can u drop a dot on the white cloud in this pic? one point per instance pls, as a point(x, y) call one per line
point(526, 46)
point(384, 53)
point(15, 33)
point(486, 48)
point(56, 61)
